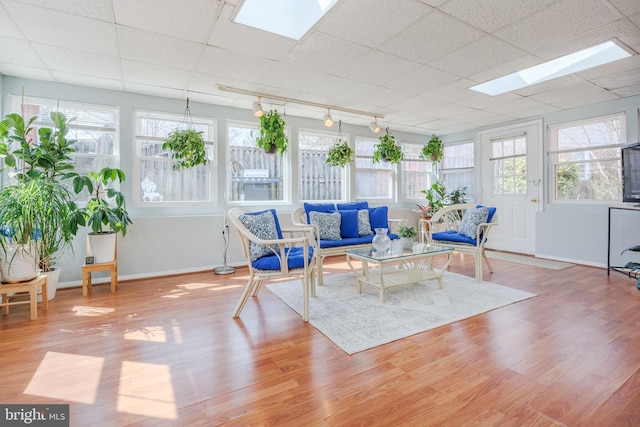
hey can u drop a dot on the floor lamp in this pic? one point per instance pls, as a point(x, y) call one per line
point(227, 269)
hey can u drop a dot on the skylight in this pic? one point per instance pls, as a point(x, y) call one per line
point(289, 18)
point(578, 61)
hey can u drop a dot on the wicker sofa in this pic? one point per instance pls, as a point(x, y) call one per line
point(352, 229)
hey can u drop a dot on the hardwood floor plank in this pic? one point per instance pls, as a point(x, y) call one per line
point(165, 352)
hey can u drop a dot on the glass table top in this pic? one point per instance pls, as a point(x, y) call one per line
point(372, 254)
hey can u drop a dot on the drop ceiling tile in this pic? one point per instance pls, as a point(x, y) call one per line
point(535, 112)
point(446, 110)
point(25, 71)
point(36, 23)
point(562, 95)
point(154, 75)
point(490, 15)
point(8, 28)
point(236, 65)
point(290, 77)
point(323, 53)
point(152, 90)
point(241, 38)
point(581, 101)
point(628, 7)
point(377, 20)
point(191, 21)
point(19, 52)
point(619, 80)
point(478, 56)
point(89, 81)
point(557, 23)
point(628, 91)
point(97, 9)
point(550, 85)
point(481, 101)
point(379, 96)
point(77, 62)
point(443, 33)
point(514, 106)
point(143, 46)
point(420, 80)
point(453, 92)
point(375, 67)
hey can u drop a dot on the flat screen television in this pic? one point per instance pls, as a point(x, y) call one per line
point(631, 173)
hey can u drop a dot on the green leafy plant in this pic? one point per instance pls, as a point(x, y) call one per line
point(106, 205)
point(36, 207)
point(433, 150)
point(272, 136)
point(436, 196)
point(187, 147)
point(407, 231)
point(341, 154)
point(387, 149)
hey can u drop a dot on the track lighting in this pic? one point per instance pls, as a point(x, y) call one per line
point(257, 108)
point(374, 126)
point(328, 120)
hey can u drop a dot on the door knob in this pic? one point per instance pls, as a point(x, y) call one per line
point(534, 200)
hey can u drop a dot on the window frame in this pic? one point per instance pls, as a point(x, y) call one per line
point(443, 172)
point(432, 174)
point(392, 172)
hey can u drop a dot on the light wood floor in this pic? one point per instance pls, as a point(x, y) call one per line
point(165, 352)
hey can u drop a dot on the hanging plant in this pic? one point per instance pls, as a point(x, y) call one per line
point(434, 150)
point(187, 146)
point(387, 149)
point(272, 137)
point(340, 154)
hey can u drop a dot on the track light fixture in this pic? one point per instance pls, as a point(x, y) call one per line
point(257, 108)
point(328, 120)
point(374, 126)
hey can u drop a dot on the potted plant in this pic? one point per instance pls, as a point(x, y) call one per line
point(105, 213)
point(35, 209)
point(272, 136)
point(387, 149)
point(341, 154)
point(407, 233)
point(187, 148)
point(434, 150)
point(436, 197)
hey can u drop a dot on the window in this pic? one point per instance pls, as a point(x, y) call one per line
point(509, 165)
point(317, 179)
point(94, 127)
point(156, 178)
point(457, 167)
point(373, 180)
point(584, 159)
point(263, 175)
point(415, 174)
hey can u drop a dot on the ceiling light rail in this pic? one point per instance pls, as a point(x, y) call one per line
point(287, 100)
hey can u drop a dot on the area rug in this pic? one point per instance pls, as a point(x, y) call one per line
point(357, 322)
point(528, 260)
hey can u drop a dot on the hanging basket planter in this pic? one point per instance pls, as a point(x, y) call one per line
point(187, 146)
point(272, 136)
point(341, 154)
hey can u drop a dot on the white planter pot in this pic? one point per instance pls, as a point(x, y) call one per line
point(102, 247)
point(53, 278)
point(17, 263)
point(407, 242)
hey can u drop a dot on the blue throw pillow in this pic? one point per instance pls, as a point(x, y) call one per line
point(492, 211)
point(352, 205)
point(275, 218)
point(348, 223)
point(328, 223)
point(471, 219)
point(364, 226)
point(318, 207)
point(379, 217)
point(263, 225)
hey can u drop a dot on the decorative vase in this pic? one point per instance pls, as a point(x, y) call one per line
point(102, 247)
point(381, 241)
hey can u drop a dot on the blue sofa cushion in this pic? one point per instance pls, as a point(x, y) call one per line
point(364, 225)
point(348, 223)
point(452, 236)
point(352, 205)
point(264, 225)
point(362, 240)
point(471, 220)
point(318, 207)
point(379, 217)
point(327, 223)
point(295, 260)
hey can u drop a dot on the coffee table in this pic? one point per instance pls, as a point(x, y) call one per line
point(387, 270)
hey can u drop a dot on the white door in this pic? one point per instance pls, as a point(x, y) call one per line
point(511, 171)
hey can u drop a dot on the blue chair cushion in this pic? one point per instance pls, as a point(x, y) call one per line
point(318, 207)
point(492, 211)
point(452, 236)
point(348, 223)
point(379, 217)
point(264, 225)
point(295, 260)
point(352, 205)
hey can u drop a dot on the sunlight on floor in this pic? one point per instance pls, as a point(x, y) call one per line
point(146, 389)
point(147, 333)
point(82, 310)
point(68, 377)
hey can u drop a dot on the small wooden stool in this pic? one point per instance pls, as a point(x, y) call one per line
point(112, 266)
point(32, 287)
